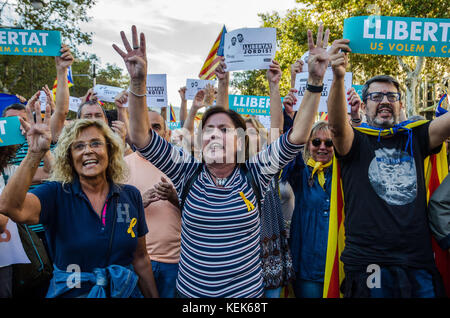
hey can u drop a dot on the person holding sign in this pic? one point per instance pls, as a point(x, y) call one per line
point(96, 228)
point(388, 250)
point(218, 198)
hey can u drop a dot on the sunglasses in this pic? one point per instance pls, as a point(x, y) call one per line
point(317, 142)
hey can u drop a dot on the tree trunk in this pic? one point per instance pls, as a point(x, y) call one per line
point(411, 82)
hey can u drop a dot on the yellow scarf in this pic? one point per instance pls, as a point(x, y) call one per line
point(318, 167)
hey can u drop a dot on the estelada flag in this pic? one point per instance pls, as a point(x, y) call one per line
point(69, 81)
point(172, 115)
point(214, 57)
point(436, 169)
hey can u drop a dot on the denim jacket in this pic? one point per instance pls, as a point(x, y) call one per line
point(122, 282)
point(309, 225)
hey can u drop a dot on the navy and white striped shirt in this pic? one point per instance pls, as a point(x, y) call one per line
point(220, 238)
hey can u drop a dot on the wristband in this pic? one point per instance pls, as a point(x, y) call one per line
point(356, 121)
point(137, 95)
point(314, 89)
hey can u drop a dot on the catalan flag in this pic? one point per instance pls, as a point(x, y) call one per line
point(172, 115)
point(439, 109)
point(69, 81)
point(213, 59)
point(324, 116)
point(436, 169)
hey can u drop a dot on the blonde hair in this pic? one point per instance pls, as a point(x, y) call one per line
point(320, 125)
point(63, 170)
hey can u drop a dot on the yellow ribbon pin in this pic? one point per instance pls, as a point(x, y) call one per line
point(130, 229)
point(249, 205)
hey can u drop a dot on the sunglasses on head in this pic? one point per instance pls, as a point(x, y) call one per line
point(317, 142)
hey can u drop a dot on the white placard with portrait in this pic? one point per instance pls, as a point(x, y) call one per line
point(107, 93)
point(194, 85)
point(250, 49)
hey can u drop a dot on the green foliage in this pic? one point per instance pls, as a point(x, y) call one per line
point(292, 39)
point(24, 75)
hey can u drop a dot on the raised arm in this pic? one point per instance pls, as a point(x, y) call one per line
point(296, 68)
point(355, 103)
point(224, 82)
point(317, 65)
point(342, 132)
point(15, 202)
point(276, 110)
point(183, 107)
point(136, 62)
point(63, 63)
point(439, 130)
point(197, 104)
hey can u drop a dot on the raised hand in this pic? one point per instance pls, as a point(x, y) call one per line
point(355, 102)
point(296, 68)
point(339, 57)
point(121, 99)
point(318, 57)
point(49, 95)
point(274, 73)
point(198, 101)
point(210, 93)
point(135, 57)
point(65, 59)
point(119, 128)
point(289, 101)
point(38, 130)
point(182, 92)
point(220, 69)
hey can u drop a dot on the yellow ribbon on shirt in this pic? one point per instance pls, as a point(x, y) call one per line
point(249, 205)
point(130, 229)
point(318, 167)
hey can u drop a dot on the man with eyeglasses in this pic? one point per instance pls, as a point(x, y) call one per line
point(382, 171)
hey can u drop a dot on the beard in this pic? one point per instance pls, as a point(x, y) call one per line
point(380, 122)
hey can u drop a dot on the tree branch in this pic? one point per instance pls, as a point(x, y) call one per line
point(404, 66)
point(420, 64)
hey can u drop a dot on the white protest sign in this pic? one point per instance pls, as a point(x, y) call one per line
point(43, 100)
point(107, 93)
point(300, 85)
point(74, 103)
point(250, 49)
point(157, 90)
point(11, 249)
point(194, 85)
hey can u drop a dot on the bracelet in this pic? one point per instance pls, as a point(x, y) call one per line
point(137, 95)
point(356, 121)
point(314, 89)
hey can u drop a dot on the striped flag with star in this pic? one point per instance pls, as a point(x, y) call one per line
point(214, 57)
point(69, 81)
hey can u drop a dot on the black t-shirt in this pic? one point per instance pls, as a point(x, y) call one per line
point(385, 201)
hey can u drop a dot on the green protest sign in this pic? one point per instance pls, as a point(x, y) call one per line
point(398, 36)
point(30, 42)
point(10, 131)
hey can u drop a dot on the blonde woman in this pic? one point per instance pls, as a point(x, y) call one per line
point(310, 178)
point(95, 226)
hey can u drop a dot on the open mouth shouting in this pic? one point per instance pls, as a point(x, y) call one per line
point(385, 111)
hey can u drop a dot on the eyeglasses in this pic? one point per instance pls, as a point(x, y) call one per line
point(317, 142)
point(378, 96)
point(81, 146)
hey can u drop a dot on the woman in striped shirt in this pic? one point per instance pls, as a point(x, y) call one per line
point(220, 248)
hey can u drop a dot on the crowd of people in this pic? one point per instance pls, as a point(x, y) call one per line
point(229, 209)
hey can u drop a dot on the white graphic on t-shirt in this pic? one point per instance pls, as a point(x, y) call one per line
point(392, 174)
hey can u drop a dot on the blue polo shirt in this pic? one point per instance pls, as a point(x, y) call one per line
point(75, 232)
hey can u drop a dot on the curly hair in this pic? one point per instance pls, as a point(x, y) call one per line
point(63, 169)
point(7, 153)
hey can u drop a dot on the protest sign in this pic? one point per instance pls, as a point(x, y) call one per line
point(10, 133)
point(157, 90)
point(398, 36)
point(358, 89)
point(43, 100)
point(74, 103)
point(194, 85)
point(250, 48)
point(107, 93)
point(30, 42)
point(174, 125)
point(250, 105)
point(300, 85)
point(11, 248)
